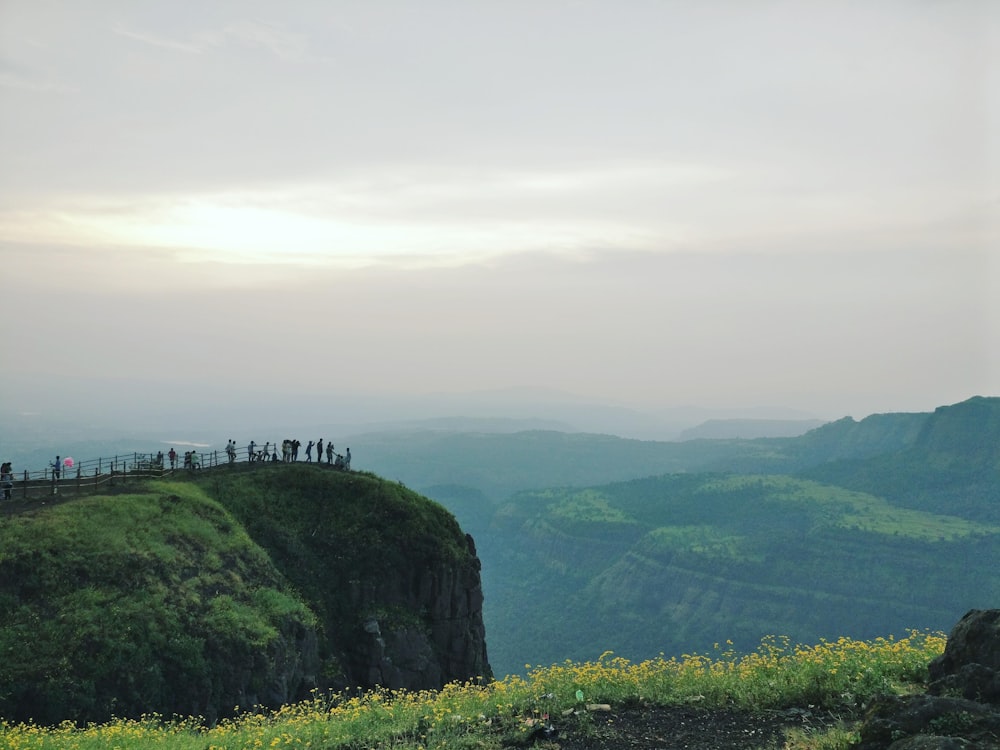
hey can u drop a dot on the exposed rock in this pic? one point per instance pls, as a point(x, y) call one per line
point(446, 642)
point(962, 706)
point(894, 719)
point(970, 664)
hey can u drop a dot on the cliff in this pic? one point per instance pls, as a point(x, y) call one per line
point(392, 578)
point(244, 587)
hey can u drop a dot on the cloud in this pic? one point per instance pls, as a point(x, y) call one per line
point(415, 216)
point(21, 77)
point(647, 198)
point(172, 45)
point(772, 328)
point(283, 44)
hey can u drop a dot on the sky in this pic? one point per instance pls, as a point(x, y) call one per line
point(746, 203)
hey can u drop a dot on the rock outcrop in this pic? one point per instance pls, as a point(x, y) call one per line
point(392, 578)
point(446, 643)
point(961, 709)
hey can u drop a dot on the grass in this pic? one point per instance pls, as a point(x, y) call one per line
point(706, 540)
point(141, 591)
point(841, 675)
point(850, 509)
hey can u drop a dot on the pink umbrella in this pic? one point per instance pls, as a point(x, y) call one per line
point(68, 462)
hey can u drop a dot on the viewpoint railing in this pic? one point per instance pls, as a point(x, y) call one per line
point(94, 474)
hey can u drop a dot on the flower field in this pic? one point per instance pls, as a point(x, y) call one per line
point(844, 673)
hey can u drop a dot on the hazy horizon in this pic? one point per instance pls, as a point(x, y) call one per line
point(642, 206)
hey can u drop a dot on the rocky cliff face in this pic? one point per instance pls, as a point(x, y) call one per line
point(393, 580)
point(445, 643)
point(961, 709)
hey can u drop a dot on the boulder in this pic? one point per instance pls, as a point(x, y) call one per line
point(970, 664)
point(961, 709)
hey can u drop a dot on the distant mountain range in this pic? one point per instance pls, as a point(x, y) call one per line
point(723, 429)
point(591, 542)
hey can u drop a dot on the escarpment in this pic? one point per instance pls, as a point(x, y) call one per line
point(392, 578)
point(236, 588)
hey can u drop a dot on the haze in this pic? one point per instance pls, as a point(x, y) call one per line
point(637, 204)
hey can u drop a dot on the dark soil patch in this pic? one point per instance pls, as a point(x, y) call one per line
point(674, 728)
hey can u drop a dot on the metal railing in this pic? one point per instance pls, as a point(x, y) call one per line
point(94, 475)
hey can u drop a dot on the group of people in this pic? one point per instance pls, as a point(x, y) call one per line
point(290, 452)
point(192, 459)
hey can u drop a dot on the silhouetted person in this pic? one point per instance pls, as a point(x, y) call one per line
point(7, 479)
point(309, 451)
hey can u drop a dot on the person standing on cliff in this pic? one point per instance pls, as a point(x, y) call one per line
point(7, 479)
point(309, 451)
point(319, 451)
point(172, 455)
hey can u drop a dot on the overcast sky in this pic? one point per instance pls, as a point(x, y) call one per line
point(740, 203)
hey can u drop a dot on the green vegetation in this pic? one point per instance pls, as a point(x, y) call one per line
point(373, 524)
point(334, 535)
point(840, 677)
point(224, 587)
point(679, 561)
point(858, 528)
point(109, 604)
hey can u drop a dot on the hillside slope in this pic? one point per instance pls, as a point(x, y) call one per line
point(903, 534)
point(494, 466)
point(392, 578)
point(153, 600)
point(239, 587)
point(952, 465)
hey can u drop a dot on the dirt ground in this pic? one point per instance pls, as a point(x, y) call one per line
point(674, 728)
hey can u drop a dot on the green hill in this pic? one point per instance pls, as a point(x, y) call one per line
point(952, 465)
point(678, 563)
point(239, 587)
point(905, 533)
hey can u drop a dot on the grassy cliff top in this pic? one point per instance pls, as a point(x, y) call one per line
point(119, 604)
